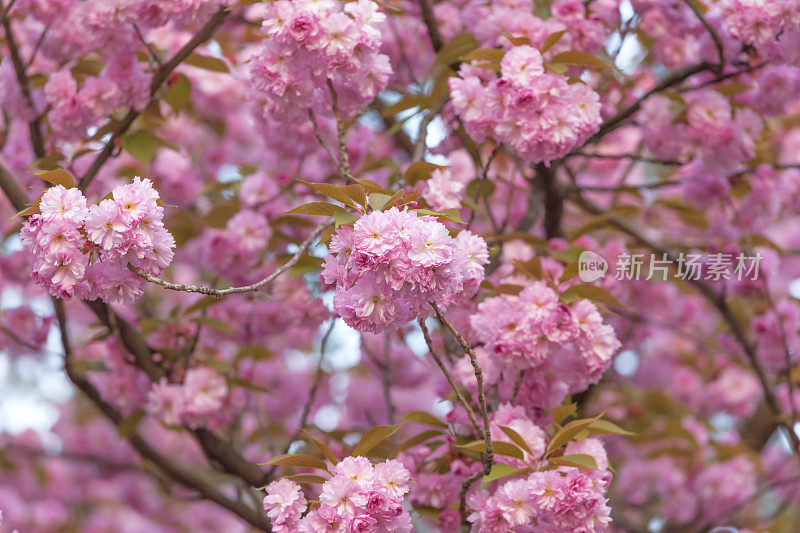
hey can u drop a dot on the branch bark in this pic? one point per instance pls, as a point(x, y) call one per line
point(159, 78)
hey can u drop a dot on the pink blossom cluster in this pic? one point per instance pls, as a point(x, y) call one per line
point(567, 499)
point(700, 496)
point(391, 264)
point(311, 44)
point(29, 330)
point(536, 112)
point(359, 498)
point(122, 83)
point(81, 250)
point(525, 331)
point(759, 21)
point(444, 190)
point(710, 129)
point(202, 399)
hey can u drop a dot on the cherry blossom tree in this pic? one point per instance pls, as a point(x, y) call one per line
point(413, 265)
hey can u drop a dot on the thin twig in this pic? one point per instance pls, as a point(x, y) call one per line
point(159, 78)
point(721, 304)
point(37, 46)
point(35, 124)
point(313, 392)
point(236, 290)
point(674, 78)
point(488, 456)
point(153, 54)
point(714, 35)
point(344, 158)
point(632, 157)
point(420, 145)
point(168, 465)
point(318, 135)
point(453, 385)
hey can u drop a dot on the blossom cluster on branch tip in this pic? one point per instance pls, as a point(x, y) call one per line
point(536, 331)
point(312, 43)
point(390, 264)
point(203, 399)
point(551, 501)
point(359, 498)
point(81, 250)
point(536, 112)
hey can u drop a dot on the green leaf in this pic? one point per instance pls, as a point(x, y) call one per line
point(458, 46)
point(307, 478)
point(489, 58)
point(409, 102)
point(326, 451)
point(331, 191)
point(606, 426)
point(561, 412)
point(140, 144)
point(324, 209)
point(371, 187)
point(57, 177)
point(373, 437)
point(579, 58)
point(203, 303)
point(214, 323)
point(516, 41)
point(343, 218)
point(531, 268)
point(593, 293)
point(421, 170)
point(509, 288)
point(380, 202)
point(479, 188)
point(298, 459)
point(213, 64)
point(179, 93)
point(423, 417)
point(551, 40)
point(417, 439)
point(733, 88)
point(501, 470)
point(357, 193)
point(517, 438)
point(577, 460)
point(499, 448)
point(568, 433)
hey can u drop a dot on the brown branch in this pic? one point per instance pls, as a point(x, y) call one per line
point(159, 78)
point(720, 303)
point(671, 80)
point(172, 469)
point(553, 200)
point(35, 125)
point(488, 456)
point(453, 385)
point(714, 35)
point(429, 19)
point(344, 158)
point(246, 288)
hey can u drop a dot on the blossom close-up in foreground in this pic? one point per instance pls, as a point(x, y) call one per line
point(392, 266)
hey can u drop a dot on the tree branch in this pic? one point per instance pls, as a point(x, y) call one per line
point(246, 288)
point(488, 456)
point(159, 77)
point(453, 385)
point(35, 125)
point(168, 465)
